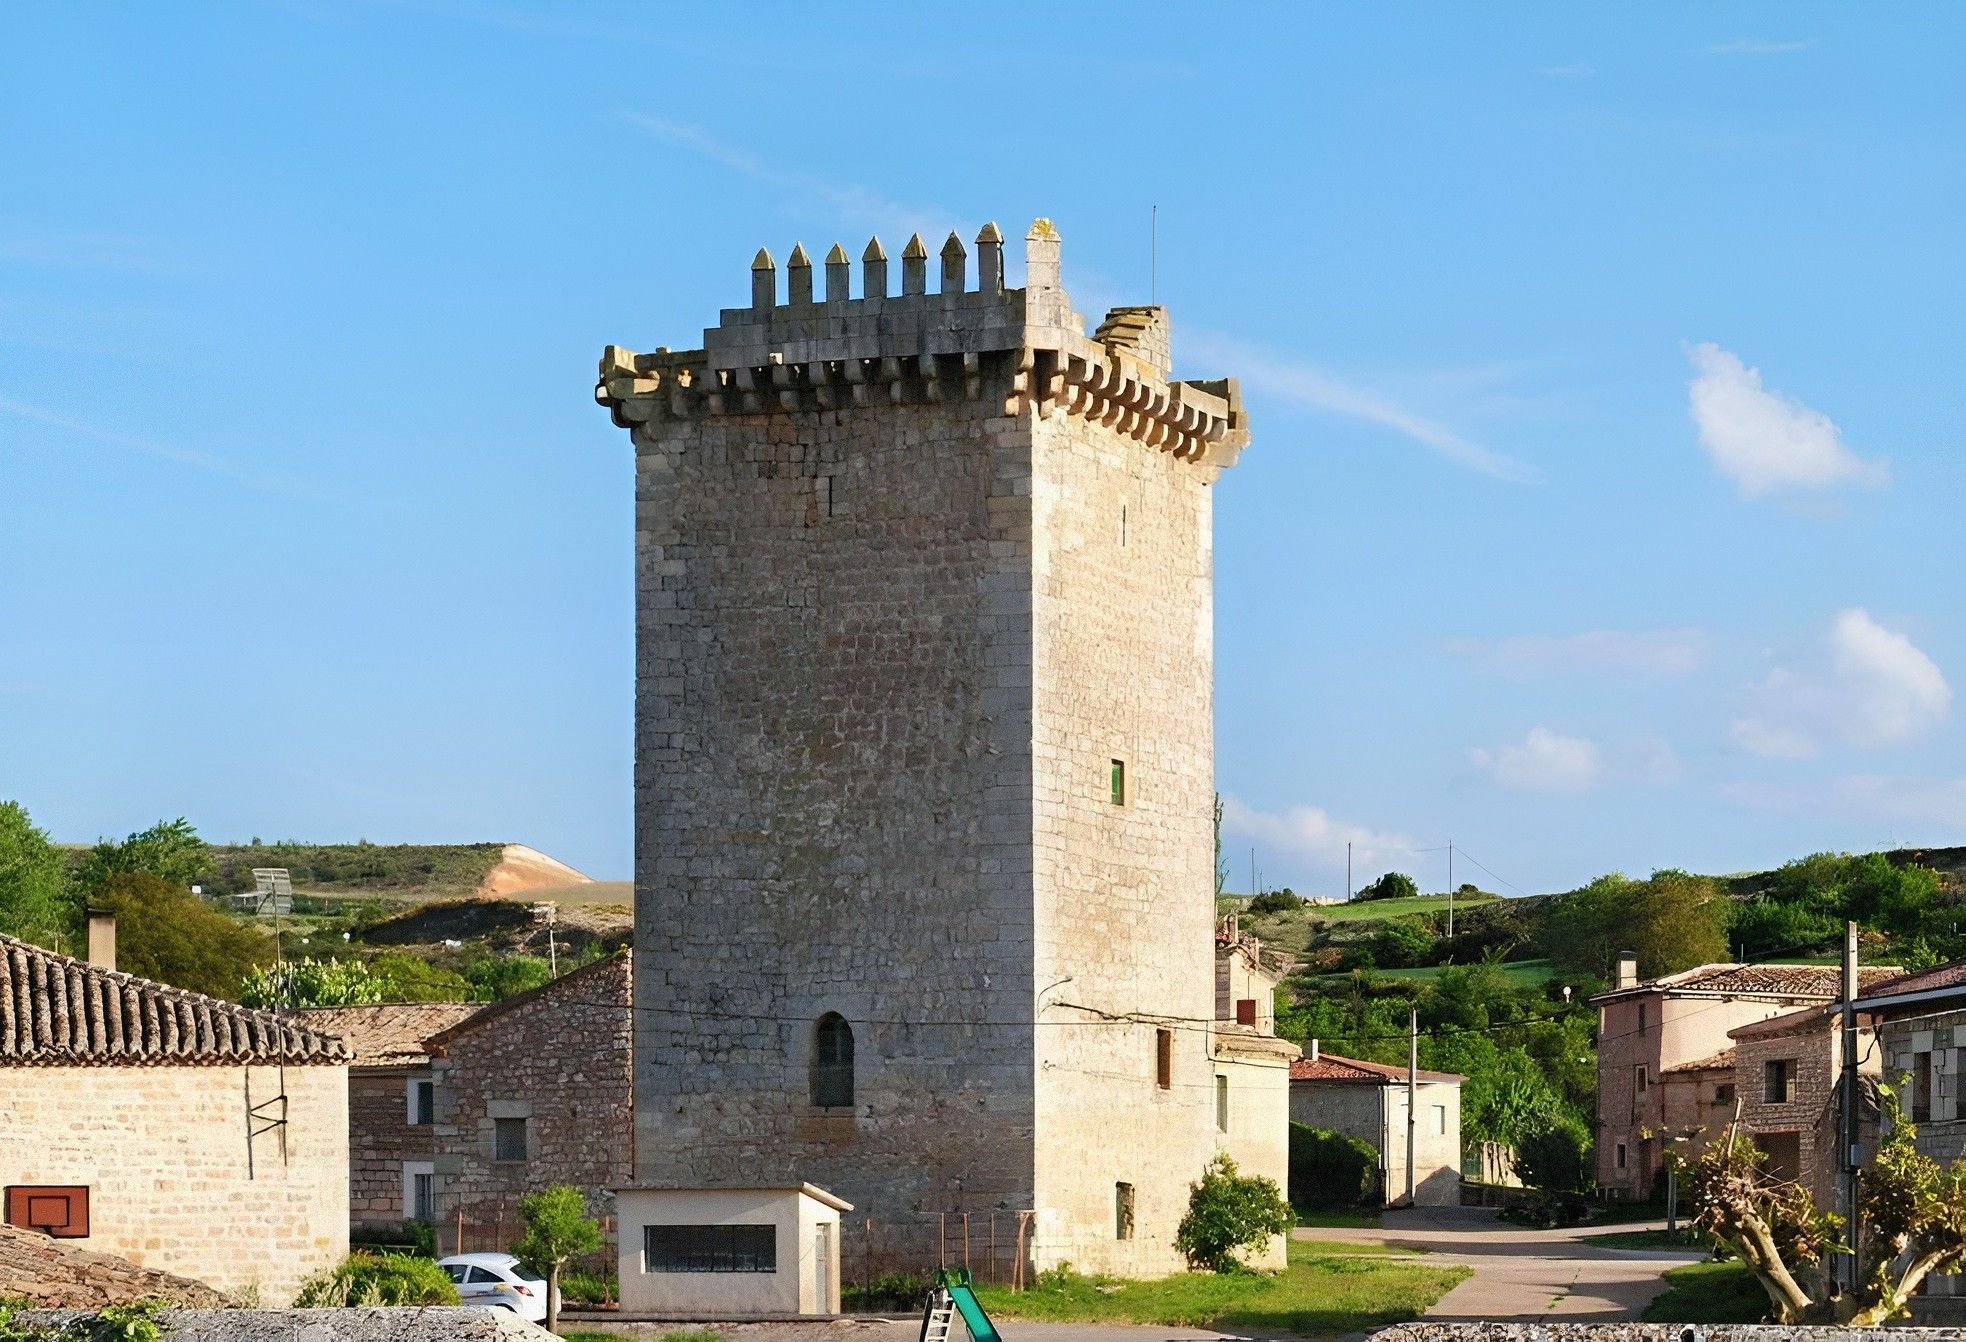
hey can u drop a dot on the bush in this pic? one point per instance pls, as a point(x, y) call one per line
point(1393, 885)
point(1275, 901)
point(889, 1291)
point(1556, 1162)
point(588, 1288)
point(1229, 1212)
point(1402, 943)
point(378, 1279)
point(415, 1238)
point(1330, 1169)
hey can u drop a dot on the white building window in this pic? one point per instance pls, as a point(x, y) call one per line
point(419, 1190)
point(1221, 1104)
point(422, 1101)
point(1440, 1120)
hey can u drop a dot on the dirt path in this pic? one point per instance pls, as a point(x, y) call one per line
point(1523, 1275)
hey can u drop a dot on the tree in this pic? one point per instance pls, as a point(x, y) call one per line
point(558, 1230)
point(1672, 921)
point(169, 850)
point(165, 932)
point(34, 901)
point(1393, 885)
point(1402, 942)
point(313, 983)
point(1229, 1212)
point(1330, 1169)
point(1913, 1214)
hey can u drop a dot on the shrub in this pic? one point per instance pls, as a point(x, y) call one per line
point(1402, 943)
point(1227, 1213)
point(1330, 1169)
point(1393, 885)
point(378, 1279)
point(1556, 1162)
point(415, 1238)
point(588, 1288)
point(889, 1291)
point(1275, 901)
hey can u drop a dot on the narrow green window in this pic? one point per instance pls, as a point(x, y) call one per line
point(1119, 782)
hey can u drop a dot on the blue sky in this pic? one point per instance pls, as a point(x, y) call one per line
point(1602, 513)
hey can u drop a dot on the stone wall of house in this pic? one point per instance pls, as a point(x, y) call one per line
point(1942, 1136)
point(378, 1118)
point(559, 1061)
point(164, 1151)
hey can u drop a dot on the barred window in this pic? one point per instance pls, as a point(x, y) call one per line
point(832, 1063)
point(710, 1248)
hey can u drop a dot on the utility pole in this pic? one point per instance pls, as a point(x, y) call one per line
point(1847, 1128)
point(1348, 871)
point(1412, 1099)
point(1450, 889)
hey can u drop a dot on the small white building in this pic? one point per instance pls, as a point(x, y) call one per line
point(1367, 1100)
point(729, 1253)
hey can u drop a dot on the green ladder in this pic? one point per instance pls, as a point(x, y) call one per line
point(954, 1292)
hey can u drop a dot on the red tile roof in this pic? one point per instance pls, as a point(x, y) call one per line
point(1332, 1067)
point(1922, 980)
point(56, 1011)
point(1723, 1060)
point(386, 1034)
point(1804, 983)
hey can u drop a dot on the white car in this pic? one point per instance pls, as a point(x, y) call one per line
point(496, 1280)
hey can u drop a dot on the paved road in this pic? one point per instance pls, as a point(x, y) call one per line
point(1521, 1274)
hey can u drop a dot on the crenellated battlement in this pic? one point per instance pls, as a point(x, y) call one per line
point(806, 349)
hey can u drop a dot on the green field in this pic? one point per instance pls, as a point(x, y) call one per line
point(1328, 1289)
point(1396, 908)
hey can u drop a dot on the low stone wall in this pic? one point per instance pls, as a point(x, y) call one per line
point(448, 1323)
point(1655, 1332)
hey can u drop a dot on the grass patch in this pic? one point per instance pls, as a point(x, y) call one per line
point(1343, 1248)
point(1624, 1213)
point(1321, 1293)
point(1710, 1293)
point(1686, 1237)
point(1396, 908)
point(1348, 1218)
point(685, 1335)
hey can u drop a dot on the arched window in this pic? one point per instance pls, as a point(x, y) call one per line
point(832, 1062)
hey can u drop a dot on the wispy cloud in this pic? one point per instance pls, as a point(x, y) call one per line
point(1543, 761)
point(1316, 388)
point(1932, 809)
point(1645, 652)
point(1314, 833)
point(1748, 46)
point(1767, 442)
point(803, 192)
point(1574, 70)
point(181, 456)
point(1874, 688)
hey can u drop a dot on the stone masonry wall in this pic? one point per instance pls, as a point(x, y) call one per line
point(1942, 1136)
point(560, 1060)
point(164, 1152)
point(378, 1117)
point(833, 802)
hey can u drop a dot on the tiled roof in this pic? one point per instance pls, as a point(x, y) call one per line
point(573, 984)
point(1331, 1067)
point(1803, 982)
point(56, 1011)
point(1722, 1059)
point(1924, 980)
point(387, 1034)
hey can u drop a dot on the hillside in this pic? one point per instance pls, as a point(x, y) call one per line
point(395, 873)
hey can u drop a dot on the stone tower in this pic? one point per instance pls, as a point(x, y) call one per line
point(924, 750)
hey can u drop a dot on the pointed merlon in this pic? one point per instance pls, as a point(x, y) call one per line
point(989, 259)
point(873, 263)
point(955, 264)
point(798, 275)
point(914, 267)
point(838, 272)
point(764, 280)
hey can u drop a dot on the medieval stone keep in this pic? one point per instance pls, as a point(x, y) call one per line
point(925, 757)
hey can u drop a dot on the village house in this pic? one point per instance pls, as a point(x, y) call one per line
point(187, 1135)
point(392, 1132)
point(529, 1092)
point(1368, 1100)
point(1667, 1061)
point(1252, 1065)
point(1920, 1020)
point(1788, 1082)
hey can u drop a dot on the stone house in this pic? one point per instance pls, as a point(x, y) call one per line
point(1368, 1100)
point(1788, 1081)
point(925, 755)
point(1252, 1065)
point(392, 1133)
point(532, 1091)
point(187, 1135)
point(1648, 1032)
point(1920, 1020)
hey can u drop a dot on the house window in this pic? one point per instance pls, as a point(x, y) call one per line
point(58, 1211)
point(1440, 1120)
point(1122, 1211)
point(1921, 1087)
point(509, 1139)
point(1245, 1011)
point(1164, 1059)
point(1621, 1155)
point(1221, 1104)
point(422, 1102)
point(1119, 782)
point(1641, 1079)
point(419, 1190)
point(1643, 1018)
point(710, 1248)
point(831, 1081)
point(1724, 1093)
point(1778, 1081)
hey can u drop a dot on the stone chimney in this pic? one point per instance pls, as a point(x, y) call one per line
point(1625, 973)
point(1311, 1051)
point(102, 939)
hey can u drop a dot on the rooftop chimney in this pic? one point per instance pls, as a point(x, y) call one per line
point(1312, 1054)
point(1625, 975)
point(102, 939)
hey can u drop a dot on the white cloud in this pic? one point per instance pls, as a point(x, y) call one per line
point(1645, 652)
point(1310, 386)
point(1764, 441)
point(1312, 832)
point(1936, 802)
point(1875, 688)
point(1544, 761)
point(1748, 46)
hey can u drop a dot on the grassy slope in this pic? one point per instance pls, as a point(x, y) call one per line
point(1322, 1293)
point(414, 871)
